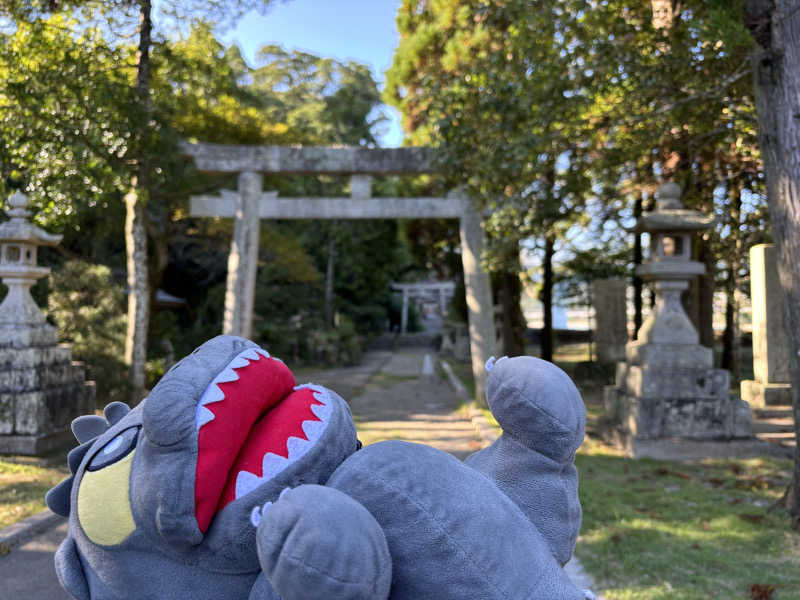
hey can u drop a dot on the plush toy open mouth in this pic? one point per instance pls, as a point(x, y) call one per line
point(252, 423)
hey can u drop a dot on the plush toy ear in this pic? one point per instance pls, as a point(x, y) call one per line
point(85, 429)
point(57, 498)
point(88, 427)
point(115, 411)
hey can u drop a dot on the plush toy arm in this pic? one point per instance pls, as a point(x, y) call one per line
point(69, 570)
point(317, 543)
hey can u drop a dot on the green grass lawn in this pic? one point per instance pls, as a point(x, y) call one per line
point(22, 489)
point(661, 529)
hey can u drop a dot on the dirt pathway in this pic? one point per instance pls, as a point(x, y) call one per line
point(397, 396)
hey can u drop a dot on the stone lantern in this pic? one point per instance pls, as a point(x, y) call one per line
point(668, 395)
point(671, 268)
point(41, 389)
point(21, 321)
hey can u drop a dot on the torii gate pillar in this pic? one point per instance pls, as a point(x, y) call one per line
point(240, 288)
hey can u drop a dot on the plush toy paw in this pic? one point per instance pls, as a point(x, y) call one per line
point(317, 543)
point(538, 404)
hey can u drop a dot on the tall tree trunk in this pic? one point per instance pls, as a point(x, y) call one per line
point(732, 343)
point(638, 282)
point(136, 223)
point(706, 295)
point(510, 295)
point(547, 297)
point(775, 25)
point(329, 278)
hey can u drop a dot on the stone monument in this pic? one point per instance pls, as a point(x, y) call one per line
point(41, 389)
point(611, 319)
point(771, 385)
point(668, 390)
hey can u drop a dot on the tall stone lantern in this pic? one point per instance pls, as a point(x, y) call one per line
point(21, 322)
point(667, 391)
point(41, 389)
point(671, 269)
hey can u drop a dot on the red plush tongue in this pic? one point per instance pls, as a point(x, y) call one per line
point(261, 385)
point(271, 434)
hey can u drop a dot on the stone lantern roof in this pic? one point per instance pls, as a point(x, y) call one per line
point(672, 215)
point(20, 229)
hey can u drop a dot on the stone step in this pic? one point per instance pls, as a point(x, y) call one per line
point(783, 425)
point(781, 439)
point(773, 413)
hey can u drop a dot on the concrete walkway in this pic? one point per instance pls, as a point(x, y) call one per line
point(393, 395)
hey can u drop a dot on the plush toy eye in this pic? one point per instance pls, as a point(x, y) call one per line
point(117, 448)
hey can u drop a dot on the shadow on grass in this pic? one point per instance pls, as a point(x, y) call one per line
point(658, 529)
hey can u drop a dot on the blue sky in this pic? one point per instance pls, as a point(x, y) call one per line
point(360, 30)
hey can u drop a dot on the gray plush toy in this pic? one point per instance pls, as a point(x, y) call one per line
point(231, 482)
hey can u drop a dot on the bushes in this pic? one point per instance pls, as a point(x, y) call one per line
point(89, 311)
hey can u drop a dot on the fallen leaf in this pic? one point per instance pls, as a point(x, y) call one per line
point(761, 591)
point(715, 481)
point(756, 519)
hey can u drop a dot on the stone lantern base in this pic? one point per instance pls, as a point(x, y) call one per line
point(671, 392)
point(41, 391)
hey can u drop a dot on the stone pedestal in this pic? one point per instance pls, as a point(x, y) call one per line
point(667, 388)
point(41, 389)
point(41, 392)
point(611, 319)
point(770, 343)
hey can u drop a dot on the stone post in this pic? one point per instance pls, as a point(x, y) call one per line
point(770, 342)
point(611, 319)
point(41, 389)
point(482, 341)
point(404, 314)
point(243, 259)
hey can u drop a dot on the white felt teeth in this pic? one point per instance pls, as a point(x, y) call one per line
point(257, 513)
point(251, 354)
point(226, 376)
point(213, 393)
point(202, 416)
point(272, 464)
point(238, 362)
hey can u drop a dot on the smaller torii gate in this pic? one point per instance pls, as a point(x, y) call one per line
point(443, 289)
point(249, 204)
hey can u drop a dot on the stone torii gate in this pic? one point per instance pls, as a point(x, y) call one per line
point(249, 204)
point(444, 289)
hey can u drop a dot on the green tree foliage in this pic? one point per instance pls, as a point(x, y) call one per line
point(68, 122)
point(89, 310)
point(492, 84)
point(544, 108)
